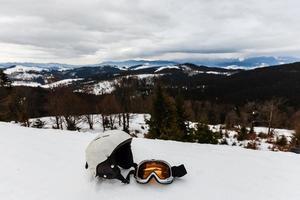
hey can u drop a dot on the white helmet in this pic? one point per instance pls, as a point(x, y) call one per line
point(109, 151)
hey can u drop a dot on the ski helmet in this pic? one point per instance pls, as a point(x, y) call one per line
point(109, 151)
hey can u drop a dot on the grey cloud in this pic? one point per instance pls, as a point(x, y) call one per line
point(91, 31)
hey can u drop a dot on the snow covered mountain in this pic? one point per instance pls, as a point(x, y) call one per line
point(49, 164)
point(48, 75)
point(247, 63)
point(45, 66)
point(100, 79)
point(243, 63)
point(138, 63)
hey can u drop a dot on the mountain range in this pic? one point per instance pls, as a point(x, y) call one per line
point(227, 84)
point(242, 63)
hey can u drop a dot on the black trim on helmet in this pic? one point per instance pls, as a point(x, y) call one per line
point(121, 156)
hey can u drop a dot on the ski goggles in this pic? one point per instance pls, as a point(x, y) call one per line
point(160, 170)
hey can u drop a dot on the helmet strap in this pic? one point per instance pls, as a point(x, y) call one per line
point(121, 178)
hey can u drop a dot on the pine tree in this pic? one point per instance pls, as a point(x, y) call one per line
point(5, 101)
point(203, 135)
point(162, 123)
point(157, 115)
point(5, 97)
point(181, 119)
point(243, 134)
point(296, 138)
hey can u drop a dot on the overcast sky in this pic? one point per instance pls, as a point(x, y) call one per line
point(92, 31)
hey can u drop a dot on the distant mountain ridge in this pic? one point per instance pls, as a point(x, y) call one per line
point(247, 63)
point(238, 63)
point(31, 75)
point(197, 82)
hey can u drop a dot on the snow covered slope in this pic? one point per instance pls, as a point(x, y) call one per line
point(23, 69)
point(49, 164)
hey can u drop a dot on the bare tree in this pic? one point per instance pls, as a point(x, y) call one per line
point(109, 109)
point(67, 108)
point(125, 92)
point(55, 106)
point(231, 119)
point(90, 120)
point(22, 105)
point(271, 113)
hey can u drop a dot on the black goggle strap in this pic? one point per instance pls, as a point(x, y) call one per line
point(178, 171)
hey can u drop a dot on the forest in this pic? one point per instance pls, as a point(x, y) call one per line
point(172, 100)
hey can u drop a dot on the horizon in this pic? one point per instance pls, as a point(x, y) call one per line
point(196, 62)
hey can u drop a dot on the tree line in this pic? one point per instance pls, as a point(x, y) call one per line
point(171, 113)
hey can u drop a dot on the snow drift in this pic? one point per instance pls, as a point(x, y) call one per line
point(49, 164)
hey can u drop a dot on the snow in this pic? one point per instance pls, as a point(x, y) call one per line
point(108, 86)
point(138, 126)
point(22, 69)
point(49, 164)
point(104, 87)
point(144, 66)
point(145, 76)
point(166, 67)
point(51, 85)
point(27, 76)
point(277, 132)
point(235, 67)
point(193, 73)
point(263, 144)
point(26, 83)
point(218, 73)
point(61, 83)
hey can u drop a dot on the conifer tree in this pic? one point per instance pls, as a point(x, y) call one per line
point(4, 80)
point(163, 117)
point(158, 113)
point(202, 134)
point(5, 97)
point(181, 119)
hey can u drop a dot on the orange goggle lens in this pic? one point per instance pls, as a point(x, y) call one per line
point(162, 170)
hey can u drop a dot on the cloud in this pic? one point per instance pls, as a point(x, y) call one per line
point(92, 31)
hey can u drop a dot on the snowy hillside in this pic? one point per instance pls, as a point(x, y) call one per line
point(31, 75)
point(49, 164)
point(23, 69)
